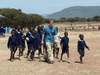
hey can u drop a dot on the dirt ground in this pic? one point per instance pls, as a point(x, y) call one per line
point(90, 66)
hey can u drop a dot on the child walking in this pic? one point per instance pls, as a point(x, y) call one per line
point(32, 44)
point(12, 43)
point(56, 46)
point(65, 46)
point(81, 47)
point(22, 45)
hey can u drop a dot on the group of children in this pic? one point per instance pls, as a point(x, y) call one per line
point(2, 31)
point(34, 38)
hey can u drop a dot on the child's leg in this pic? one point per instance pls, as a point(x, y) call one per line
point(54, 52)
point(68, 55)
point(81, 56)
point(57, 52)
point(28, 52)
point(23, 50)
point(32, 55)
point(61, 56)
point(12, 54)
point(15, 51)
point(19, 52)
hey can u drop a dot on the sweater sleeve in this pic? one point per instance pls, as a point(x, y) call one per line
point(85, 45)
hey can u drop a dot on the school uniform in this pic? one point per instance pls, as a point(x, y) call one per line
point(58, 40)
point(12, 43)
point(22, 44)
point(65, 44)
point(27, 36)
point(18, 34)
point(38, 35)
point(81, 47)
point(32, 42)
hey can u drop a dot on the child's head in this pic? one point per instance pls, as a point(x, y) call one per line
point(30, 29)
point(39, 28)
point(42, 27)
point(66, 34)
point(33, 32)
point(22, 33)
point(18, 28)
point(13, 33)
point(57, 28)
point(81, 36)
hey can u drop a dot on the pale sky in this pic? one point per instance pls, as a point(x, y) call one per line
point(45, 6)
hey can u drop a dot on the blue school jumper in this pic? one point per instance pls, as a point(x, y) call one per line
point(22, 42)
point(65, 44)
point(38, 35)
point(81, 47)
point(49, 34)
point(33, 42)
point(18, 34)
point(12, 42)
point(27, 35)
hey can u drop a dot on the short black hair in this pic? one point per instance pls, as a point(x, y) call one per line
point(81, 35)
point(12, 31)
point(57, 28)
point(65, 32)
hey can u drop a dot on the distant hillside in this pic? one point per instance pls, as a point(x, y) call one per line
point(76, 11)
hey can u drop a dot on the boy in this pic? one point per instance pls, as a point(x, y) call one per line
point(12, 43)
point(22, 45)
point(81, 45)
point(18, 34)
point(56, 48)
point(27, 36)
point(32, 43)
point(38, 35)
point(42, 46)
point(65, 46)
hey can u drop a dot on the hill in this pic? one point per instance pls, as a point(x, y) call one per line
point(75, 11)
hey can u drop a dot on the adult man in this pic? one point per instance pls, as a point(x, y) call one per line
point(48, 36)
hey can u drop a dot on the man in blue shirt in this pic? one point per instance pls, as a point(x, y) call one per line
point(48, 36)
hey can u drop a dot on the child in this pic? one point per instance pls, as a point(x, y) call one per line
point(27, 36)
point(42, 46)
point(12, 43)
point(32, 43)
point(22, 45)
point(38, 35)
point(65, 46)
point(18, 34)
point(81, 45)
point(56, 48)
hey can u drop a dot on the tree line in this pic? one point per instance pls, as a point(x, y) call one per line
point(15, 17)
point(77, 19)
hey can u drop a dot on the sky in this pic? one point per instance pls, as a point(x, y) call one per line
point(45, 6)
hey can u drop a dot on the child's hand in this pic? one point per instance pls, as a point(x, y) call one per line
point(38, 47)
point(88, 49)
point(61, 47)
